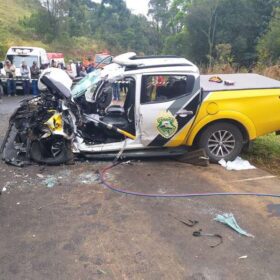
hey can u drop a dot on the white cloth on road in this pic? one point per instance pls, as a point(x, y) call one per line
point(237, 164)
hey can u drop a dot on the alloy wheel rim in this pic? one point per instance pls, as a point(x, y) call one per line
point(221, 143)
point(56, 149)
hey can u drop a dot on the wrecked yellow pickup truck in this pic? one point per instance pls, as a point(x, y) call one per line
point(167, 108)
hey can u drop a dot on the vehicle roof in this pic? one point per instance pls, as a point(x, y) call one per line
point(241, 82)
point(25, 47)
point(132, 62)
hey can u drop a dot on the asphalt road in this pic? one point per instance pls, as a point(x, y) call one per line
point(77, 229)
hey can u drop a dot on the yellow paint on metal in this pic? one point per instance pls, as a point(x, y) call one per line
point(127, 134)
point(257, 110)
point(180, 137)
point(212, 108)
point(55, 123)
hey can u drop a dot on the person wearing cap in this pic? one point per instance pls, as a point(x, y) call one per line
point(25, 74)
point(10, 71)
point(35, 72)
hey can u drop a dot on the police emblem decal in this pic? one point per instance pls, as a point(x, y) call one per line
point(167, 125)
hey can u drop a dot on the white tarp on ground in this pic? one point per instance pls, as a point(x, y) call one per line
point(237, 164)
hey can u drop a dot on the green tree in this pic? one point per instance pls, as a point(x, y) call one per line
point(159, 11)
point(202, 24)
point(269, 45)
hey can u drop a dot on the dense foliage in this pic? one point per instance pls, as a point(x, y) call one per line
point(239, 32)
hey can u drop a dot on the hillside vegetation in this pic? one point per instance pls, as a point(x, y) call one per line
point(13, 32)
point(242, 34)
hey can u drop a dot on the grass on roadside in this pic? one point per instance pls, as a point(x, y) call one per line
point(265, 153)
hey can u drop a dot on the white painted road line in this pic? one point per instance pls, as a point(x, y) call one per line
point(255, 179)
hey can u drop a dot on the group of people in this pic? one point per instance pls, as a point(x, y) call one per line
point(74, 70)
point(28, 74)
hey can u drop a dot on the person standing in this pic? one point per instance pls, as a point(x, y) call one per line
point(69, 71)
point(83, 72)
point(35, 72)
point(25, 74)
point(10, 71)
point(90, 68)
point(1, 92)
point(53, 63)
point(116, 91)
point(1, 85)
point(73, 68)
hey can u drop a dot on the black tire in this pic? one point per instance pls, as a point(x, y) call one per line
point(221, 141)
point(40, 151)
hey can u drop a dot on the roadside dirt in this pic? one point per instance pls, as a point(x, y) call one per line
point(77, 229)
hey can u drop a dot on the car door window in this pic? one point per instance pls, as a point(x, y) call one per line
point(162, 88)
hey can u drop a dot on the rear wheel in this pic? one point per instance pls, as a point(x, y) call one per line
point(221, 141)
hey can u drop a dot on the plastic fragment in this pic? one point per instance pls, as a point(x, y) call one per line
point(4, 189)
point(229, 220)
point(100, 271)
point(243, 257)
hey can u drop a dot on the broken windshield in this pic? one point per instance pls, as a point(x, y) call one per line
point(90, 81)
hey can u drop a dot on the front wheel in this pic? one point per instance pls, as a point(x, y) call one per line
point(221, 141)
point(51, 151)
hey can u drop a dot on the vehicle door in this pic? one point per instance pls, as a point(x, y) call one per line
point(168, 104)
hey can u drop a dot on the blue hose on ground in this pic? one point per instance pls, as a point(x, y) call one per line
point(182, 195)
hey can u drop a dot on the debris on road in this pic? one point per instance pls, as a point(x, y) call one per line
point(238, 164)
point(243, 257)
point(229, 220)
point(190, 223)
point(197, 157)
point(100, 271)
point(5, 188)
point(50, 182)
point(129, 162)
point(89, 178)
point(199, 233)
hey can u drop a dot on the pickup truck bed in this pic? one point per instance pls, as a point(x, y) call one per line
point(241, 82)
